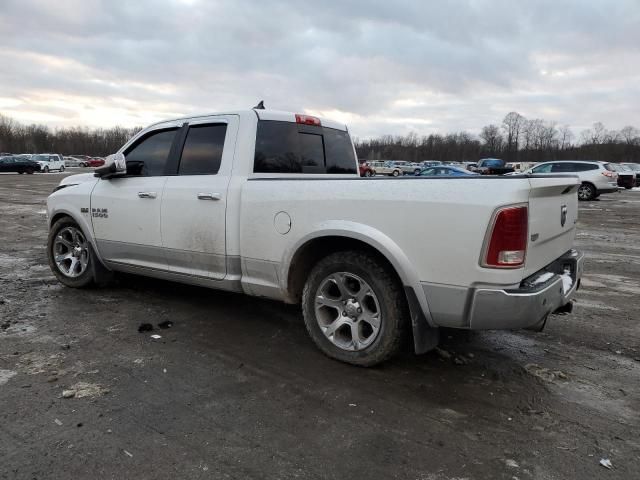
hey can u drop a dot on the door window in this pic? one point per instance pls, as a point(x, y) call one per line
point(543, 168)
point(148, 156)
point(202, 151)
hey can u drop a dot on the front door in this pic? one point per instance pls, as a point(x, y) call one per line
point(194, 204)
point(125, 211)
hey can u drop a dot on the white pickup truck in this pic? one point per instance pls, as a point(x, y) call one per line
point(271, 204)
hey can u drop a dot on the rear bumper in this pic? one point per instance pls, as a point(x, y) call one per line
point(538, 295)
point(612, 189)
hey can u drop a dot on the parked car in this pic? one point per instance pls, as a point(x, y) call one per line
point(19, 165)
point(82, 160)
point(493, 166)
point(634, 167)
point(94, 162)
point(72, 162)
point(366, 170)
point(444, 170)
point(595, 177)
point(626, 176)
point(386, 168)
point(271, 204)
point(49, 162)
point(410, 168)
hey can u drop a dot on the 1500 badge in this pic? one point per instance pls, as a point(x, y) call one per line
point(100, 212)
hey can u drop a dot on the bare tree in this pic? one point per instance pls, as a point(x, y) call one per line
point(630, 135)
point(565, 136)
point(492, 139)
point(512, 124)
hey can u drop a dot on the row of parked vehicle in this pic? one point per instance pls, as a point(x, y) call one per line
point(45, 162)
point(596, 177)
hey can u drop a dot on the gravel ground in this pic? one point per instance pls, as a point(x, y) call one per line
point(235, 389)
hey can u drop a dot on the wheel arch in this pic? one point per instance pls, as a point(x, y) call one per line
point(313, 247)
point(85, 225)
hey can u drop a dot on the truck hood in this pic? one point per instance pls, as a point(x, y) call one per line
point(76, 179)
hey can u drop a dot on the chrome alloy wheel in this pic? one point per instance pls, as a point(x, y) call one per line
point(71, 252)
point(347, 311)
point(584, 192)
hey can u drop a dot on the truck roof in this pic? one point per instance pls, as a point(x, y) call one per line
point(262, 115)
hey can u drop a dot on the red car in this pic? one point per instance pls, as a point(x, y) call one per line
point(366, 170)
point(95, 162)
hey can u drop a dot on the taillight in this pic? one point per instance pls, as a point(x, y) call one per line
point(507, 246)
point(307, 120)
point(607, 174)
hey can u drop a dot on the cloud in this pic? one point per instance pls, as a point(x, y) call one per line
point(384, 67)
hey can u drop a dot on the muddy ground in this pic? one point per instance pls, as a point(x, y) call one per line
point(236, 389)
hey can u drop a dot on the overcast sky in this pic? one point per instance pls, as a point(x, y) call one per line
point(381, 67)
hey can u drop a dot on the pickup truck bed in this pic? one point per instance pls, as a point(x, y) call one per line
point(285, 215)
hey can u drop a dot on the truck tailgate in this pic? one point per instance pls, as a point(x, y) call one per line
point(553, 214)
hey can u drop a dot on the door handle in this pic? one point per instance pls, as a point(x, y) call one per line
point(209, 196)
point(147, 194)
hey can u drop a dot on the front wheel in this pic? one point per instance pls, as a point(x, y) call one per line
point(29, 170)
point(70, 254)
point(46, 170)
point(62, 168)
point(367, 173)
point(586, 191)
point(396, 173)
point(20, 172)
point(354, 308)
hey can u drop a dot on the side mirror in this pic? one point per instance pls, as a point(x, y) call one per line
point(115, 165)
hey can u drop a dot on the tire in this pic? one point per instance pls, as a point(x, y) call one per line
point(20, 172)
point(45, 169)
point(62, 168)
point(368, 173)
point(29, 170)
point(383, 296)
point(416, 172)
point(396, 173)
point(628, 188)
point(81, 164)
point(77, 268)
point(586, 192)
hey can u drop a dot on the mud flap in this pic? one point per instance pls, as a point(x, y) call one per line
point(102, 276)
point(425, 337)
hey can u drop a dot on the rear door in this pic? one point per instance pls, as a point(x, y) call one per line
point(125, 210)
point(195, 198)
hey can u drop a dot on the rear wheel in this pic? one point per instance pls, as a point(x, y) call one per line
point(62, 168)
point(416, 171)
point(81, 164)
point(396, 173)
point(354, 308)
point(586, 191)
point(20, 172)
point(46, 169)
point(29, 170)
point(367, 173)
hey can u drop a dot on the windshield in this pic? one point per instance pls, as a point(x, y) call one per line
point(40, 158)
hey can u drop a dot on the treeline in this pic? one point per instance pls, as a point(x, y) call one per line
point(516, 139)
point(18, 138)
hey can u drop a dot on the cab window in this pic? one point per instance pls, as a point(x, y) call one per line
point(202, 151)
point(148, 156)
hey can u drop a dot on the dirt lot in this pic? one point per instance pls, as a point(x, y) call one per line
point(236, 389)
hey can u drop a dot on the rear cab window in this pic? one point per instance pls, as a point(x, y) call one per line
point(287, 147)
